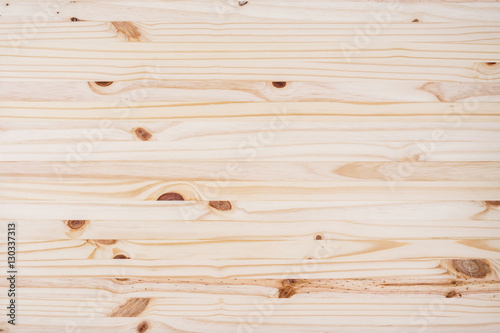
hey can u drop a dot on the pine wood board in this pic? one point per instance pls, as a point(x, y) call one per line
point(374, 208)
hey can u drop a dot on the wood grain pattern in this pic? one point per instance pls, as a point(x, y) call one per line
point(251, 166)
point(450, 62)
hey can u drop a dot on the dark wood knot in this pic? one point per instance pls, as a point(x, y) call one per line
point(142, 134)
point(279, 84)
point(104, 83)
point(121, 256)
point(220, 205)
point(452, 294)
point(170, 196)
point(142, 327)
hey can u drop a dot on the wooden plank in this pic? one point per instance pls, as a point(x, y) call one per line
point(254, 268)
point(238, 249)
point(84, 288)
point(254, 32)
point(139, 190)
point(249, 171)
point(354, 228)
point(276, 130)
point(121, 111)
point(294, 11)
point(264, 211)
point(130, 94)
point(423, 62)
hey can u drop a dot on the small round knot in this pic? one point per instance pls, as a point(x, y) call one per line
point(279, 84)
point(170, 196)
point(220, 205)
point(142, 327)
point(76, 224)
point(142, 134)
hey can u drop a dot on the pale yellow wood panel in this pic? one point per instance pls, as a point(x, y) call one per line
point(251, 166)
point(231, 314)
point(65, 155)
point(138, 92)
point(321, 111)
point(252, 171)
point(139, 190)
point(220, 11)
point(244, 134)
point(455, 286)
point(284, 324)
point(353, 34)
point(278, 249)
point(249, 268)
point(89, 61)
point(231, 230)
point(263, 211)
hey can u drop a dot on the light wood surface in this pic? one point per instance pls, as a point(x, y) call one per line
point(251, 166)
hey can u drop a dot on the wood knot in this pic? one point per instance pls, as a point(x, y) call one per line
point(142, 134)
point(121, 256)
point(133, 307)
point(220, 205)
point(74, 19)
point(142, 327)
point(106, 241)
point(475, 268)
point(289, 287)
point(452, 294)
point(279, 84)
point(170, 196)
point(104, 83)
point(76, 224)
point(286, 292)
point(128, 30)
point(120, 280)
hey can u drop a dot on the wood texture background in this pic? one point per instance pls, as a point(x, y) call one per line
point(322, 166)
